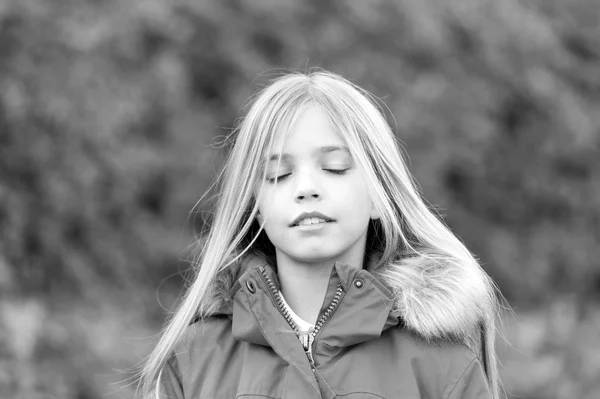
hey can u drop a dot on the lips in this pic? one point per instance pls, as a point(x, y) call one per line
point(308, 218)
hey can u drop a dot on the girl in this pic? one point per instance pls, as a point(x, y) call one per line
point(324, 274)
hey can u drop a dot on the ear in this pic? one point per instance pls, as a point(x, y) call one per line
point(259, 218)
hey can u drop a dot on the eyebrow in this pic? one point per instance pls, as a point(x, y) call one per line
point(322, 150)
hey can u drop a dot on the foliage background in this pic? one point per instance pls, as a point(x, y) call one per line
point(111, 115)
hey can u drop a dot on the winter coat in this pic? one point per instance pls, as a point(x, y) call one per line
point(367, 345)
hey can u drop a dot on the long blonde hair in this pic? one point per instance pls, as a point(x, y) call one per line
point(406, 222)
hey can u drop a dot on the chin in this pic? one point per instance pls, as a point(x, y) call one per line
point(315, 256)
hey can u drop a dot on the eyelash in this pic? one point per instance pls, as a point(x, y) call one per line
point(336, 172)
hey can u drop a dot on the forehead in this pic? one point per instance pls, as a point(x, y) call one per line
point(311, 131)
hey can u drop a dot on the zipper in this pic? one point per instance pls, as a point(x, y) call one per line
point(329, 311)
point(278, 301)
point(339, 291)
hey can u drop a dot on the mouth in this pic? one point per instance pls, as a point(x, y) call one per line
point(311, 218)
point(311, 222)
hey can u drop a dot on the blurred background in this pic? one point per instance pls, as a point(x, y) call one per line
point(112, 116)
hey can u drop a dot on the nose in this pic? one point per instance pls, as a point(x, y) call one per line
point(307, 188)
point(303, 196)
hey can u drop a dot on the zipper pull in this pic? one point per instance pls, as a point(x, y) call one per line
point(309, 352)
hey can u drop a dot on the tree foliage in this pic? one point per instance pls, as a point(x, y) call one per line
point(111, 114)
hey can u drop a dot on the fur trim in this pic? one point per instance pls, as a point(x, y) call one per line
point(439, 300)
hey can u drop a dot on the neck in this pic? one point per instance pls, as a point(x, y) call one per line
point(304, 284)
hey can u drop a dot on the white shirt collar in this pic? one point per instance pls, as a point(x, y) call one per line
point(303, 326)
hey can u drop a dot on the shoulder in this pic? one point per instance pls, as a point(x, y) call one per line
point(209, 330)
point(206, 345)
point(201, 340)
point(444, 352)
point(443, 359)
point(443, 369)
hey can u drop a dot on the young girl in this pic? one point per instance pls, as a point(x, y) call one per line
point(324, 274)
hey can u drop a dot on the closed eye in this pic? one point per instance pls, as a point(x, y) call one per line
point(336, 171)
point(279, 178)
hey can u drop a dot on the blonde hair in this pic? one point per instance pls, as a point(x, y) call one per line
point(405, 222)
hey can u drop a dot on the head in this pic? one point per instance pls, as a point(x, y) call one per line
point(312, 199)
point(315, 143)
point(310, 143)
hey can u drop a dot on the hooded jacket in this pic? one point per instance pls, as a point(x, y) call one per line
point(370, 342)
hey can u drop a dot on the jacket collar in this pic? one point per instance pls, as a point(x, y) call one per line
point(365, 308)
point(433, 298)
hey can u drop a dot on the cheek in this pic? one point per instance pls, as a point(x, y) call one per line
point(264, 198)
point(270, 206)
point(355, 194)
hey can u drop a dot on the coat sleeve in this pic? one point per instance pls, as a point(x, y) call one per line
point(472, 383)
point(170, 384)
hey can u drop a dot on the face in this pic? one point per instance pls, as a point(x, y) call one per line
point(319, 210)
